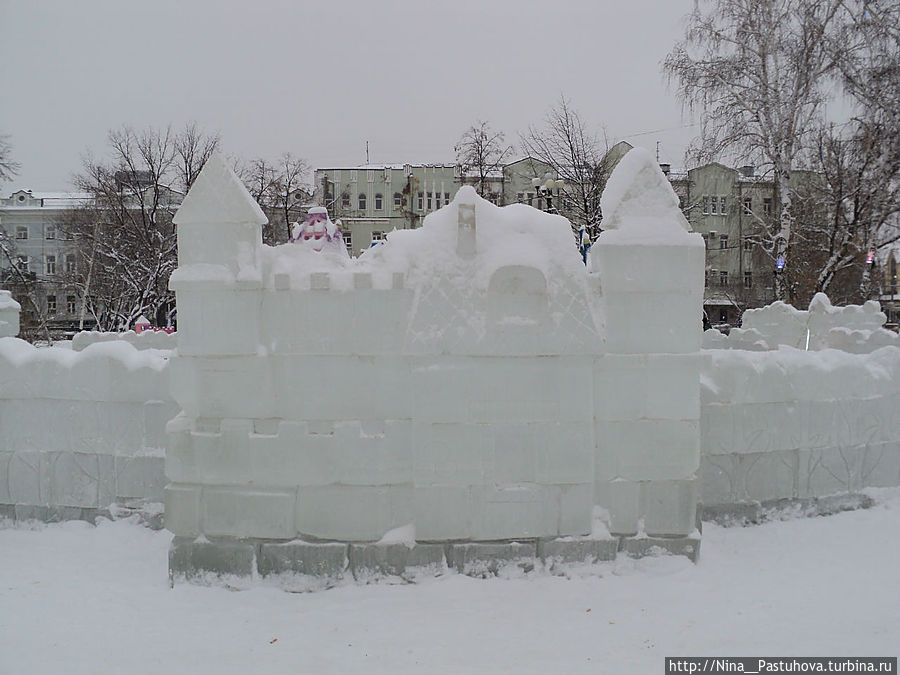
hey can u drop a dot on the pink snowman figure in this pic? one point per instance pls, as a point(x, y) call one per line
point(319, 232)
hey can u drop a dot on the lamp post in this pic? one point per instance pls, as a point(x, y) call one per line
point(544, 187)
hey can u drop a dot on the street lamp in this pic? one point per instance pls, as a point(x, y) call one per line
point(545, 186)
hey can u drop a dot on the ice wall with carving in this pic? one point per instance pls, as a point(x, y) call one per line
point(470, 378)
point(80, 431)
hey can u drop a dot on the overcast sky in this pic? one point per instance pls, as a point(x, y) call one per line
point(321, 78)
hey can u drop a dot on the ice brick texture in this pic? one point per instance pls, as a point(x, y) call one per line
point(798, 424)
point(470, 378)
point(81, 430)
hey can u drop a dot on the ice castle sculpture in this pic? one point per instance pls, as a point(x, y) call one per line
point(464, 395)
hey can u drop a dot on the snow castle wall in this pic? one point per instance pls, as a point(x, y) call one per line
point(780, 421)
point(469, 379)
point(9, 315)
point(80, 431)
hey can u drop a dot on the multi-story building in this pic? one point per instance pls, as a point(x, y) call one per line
point(43, 254)
point(373, 200)
point(889, 264)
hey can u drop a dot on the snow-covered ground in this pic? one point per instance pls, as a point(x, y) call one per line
point(81, 599)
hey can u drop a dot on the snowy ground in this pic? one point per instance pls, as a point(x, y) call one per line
point(81, 599)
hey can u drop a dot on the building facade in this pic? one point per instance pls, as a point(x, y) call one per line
point(43, 256)
point(373, 200)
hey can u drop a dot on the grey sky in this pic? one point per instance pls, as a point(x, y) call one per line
point(321, 78)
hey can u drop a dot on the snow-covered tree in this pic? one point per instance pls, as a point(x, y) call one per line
point(280, 188)
point(756, 71)
point(578, 157)
point(125, 235)
point(481, 153)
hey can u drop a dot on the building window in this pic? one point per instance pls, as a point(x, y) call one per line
point(723, 242)
point(379, 202)
point(345, 200)
point(50, 232)
point(748, 279)
point(51, 304)
point(377, 236)
point(70, 304)
point(21, 232)
point(723, 278)
point(520, 197)
point(748, 206)
point(50, 264)
point(723, 205)
point(748, 245)
point(428, 200)
point(446, 198)
point(70, 262)
point(348, 241)
point(713, 205)
point(705, 204)
point(398, 201)
point(767, 206)
point(353, 175)
point(421, 200)
point(362, 201)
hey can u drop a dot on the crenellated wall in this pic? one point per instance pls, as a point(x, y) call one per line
point(469, 380)
point(80, 431)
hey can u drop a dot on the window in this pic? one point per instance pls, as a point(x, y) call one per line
point(767, 206)
point(70, 262)
point(520, 197)
point(348, 241)
point(50, 264)
point(70, 304)
point(377, 236)
point(345, 200)
point(723, 278)
point(353, 175)
point(446, 198)
point(723, 315)
point(706, 278)
point(379, 201)
point(748, 279)
point(723, 205)
point(428, 201)
point(398, 201)
point(714, 205)
point(748, 206)
point(362, 201)
point(723, 242)
point(421, 200)
point(50, 232)
point(748, 245)
point(51, 304)
point(21, 232)
point(705, 204)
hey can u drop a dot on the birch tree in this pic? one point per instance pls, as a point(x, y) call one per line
point(8, 168)
point(756, 71)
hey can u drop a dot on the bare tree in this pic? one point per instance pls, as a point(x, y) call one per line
point(481, 152)
point(579, 159)
point(125, 235)
point(280, 188)
point(8, 168)
point(23, 284)
point(757, 71)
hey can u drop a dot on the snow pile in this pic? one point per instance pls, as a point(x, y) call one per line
point(9, 315)
point(854, 328)
point(148, 339)
point(639, 203)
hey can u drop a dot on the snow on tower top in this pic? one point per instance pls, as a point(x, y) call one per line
point(639, 201)
point(218, 196)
